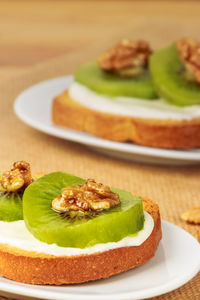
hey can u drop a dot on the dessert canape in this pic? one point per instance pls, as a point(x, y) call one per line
point(117, 97)
point(76, 231)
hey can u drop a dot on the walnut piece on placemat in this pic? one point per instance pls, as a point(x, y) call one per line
point(192, 215)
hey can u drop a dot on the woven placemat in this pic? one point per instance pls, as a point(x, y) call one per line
point(175, 189)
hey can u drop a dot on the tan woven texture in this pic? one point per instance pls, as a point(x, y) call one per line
point(175, 189)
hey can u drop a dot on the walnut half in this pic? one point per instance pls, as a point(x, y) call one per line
point(90, 196)
point(126, 54)
point(189, 52)
point(18, 178)
point(192, 215)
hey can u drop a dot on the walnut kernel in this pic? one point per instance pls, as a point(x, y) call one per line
point(192, 215)
point(189, 52)
point(18, 178)
point(126, 54)
point(90, 196)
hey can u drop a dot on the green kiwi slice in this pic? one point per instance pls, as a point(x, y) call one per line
point(168, 75)
point(50, 227)
point(113, 85)
point(11, 207)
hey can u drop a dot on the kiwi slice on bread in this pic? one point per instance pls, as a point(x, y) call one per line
point(112, 85)
point(11, 207)
point(168, 75)
point(50, 226)
point(11, 204)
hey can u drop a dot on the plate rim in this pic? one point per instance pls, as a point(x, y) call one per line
point(93, 141)
point(31, 290)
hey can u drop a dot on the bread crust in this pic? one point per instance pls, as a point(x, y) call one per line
point(36, 268)
point(172, 134)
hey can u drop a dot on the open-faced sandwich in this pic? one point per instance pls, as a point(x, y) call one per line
point(73, 230)
point(132, 94)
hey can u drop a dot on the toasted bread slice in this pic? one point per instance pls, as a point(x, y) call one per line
point(170, 134)
point(39, 268)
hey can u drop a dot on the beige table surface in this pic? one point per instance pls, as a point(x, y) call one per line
point(44, 39)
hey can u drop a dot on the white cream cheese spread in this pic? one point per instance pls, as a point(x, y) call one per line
point(132, 107)
point(16, 234)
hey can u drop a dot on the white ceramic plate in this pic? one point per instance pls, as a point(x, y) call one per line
point(33, 106)
point(176, 261)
